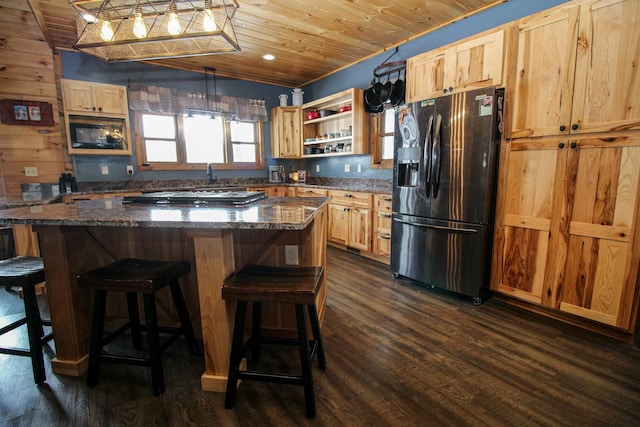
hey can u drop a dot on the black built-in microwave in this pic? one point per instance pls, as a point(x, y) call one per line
point(105, 134)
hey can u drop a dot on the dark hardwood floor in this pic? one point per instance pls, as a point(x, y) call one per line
point(397, 355)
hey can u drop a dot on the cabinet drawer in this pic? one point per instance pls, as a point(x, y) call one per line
point(383, 223)
point(382, 244)
point(310, 192)
point(351, 198)
point(382, 203)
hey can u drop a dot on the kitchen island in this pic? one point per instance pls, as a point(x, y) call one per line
point(216, 239)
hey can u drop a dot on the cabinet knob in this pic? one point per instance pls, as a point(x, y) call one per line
point(563, 128)
point(574, 126)
point(93, 108)
point(345, 209)
point(450, 89)
point(573, 145)
point(561, 145)
point(444, 90)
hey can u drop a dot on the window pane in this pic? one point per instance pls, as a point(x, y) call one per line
point(242, 131)
point(161, 151)
point(389, 117)
point(387, 147)
point(244, 153)
point(204, 139)
point(155, 126)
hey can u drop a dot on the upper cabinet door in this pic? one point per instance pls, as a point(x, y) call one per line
point(287, 132)
point(607, 82)
point(544, 75)
point(472, 63)
point(478, 62)
point(111, 99)
point(94, 98)
point(425, 75)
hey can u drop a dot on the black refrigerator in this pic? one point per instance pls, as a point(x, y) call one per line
point(444, 179)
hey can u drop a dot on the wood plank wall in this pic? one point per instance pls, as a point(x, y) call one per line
point(29, 70)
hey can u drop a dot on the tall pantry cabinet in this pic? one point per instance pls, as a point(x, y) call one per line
point(567, 233)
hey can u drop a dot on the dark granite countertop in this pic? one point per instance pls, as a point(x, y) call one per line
point(377, 186)
point(283, 213)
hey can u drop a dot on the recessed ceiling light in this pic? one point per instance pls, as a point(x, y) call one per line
point(268, 57)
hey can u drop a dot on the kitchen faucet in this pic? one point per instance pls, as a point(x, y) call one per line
point(212, 179)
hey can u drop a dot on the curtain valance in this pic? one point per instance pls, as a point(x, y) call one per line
point(174, 101)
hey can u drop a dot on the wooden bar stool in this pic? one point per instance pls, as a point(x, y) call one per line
point(27, 272)
point(136, 276)
point(258, 284)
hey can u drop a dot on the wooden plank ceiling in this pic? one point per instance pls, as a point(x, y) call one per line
point(310, 39)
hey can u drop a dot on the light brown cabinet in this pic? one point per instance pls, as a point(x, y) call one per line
point(286, 132)
point(568, 235)
point(96, 105)
point(576, 70)
point(381, 243)
point(310, 192)
point(94, 98)
point(350, 219)
point(338, 133)
point(472, 63)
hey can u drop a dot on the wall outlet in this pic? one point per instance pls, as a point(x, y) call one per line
point(129, 169)
point(291, 255)
point(31, 171)
point(347, 168)
point(359, 168)
point(104, 169)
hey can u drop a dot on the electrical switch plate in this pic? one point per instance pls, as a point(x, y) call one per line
point(347, 168)
point(104, 169)
point(31, 171)
point(291, 254)
point(317, 168)
point(359, 168)
point(129, 170)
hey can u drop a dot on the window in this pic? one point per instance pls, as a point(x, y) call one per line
point(175, 141)
point(382, 126)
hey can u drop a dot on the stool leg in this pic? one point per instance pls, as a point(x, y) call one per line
point(305, 361)
point(34, 329)
point(315, 328)
point(134, 319)
point(236, 355)
point(97, 330)
point(183, 313)
point(256, 330)
point(155, 356)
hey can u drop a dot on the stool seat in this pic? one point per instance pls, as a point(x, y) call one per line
point(292, 285)
point(296, 285)
point(21, 270)
point(137, 276)
point(134, 275)
point(27, 272)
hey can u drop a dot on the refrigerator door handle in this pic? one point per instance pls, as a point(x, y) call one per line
point(437, 227)
point(435, 157)
point(427, 156)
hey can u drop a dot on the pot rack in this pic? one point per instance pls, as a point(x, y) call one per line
point(387, 68)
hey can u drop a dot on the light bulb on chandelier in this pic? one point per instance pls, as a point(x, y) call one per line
point(139, 29)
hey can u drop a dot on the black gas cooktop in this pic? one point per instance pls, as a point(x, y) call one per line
point(235, 198)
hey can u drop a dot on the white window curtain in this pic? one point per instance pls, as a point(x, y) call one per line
point(174, 101)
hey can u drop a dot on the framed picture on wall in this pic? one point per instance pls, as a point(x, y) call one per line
point(19, 112)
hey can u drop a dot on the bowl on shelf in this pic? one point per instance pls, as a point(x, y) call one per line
point(345, 108)
point(325, 113)
point(313, 115)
